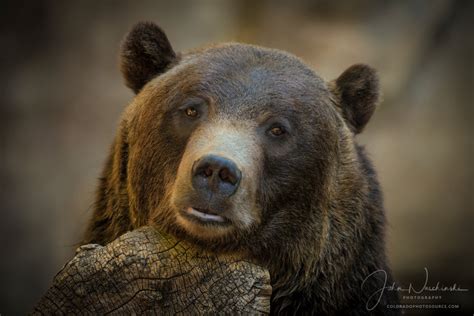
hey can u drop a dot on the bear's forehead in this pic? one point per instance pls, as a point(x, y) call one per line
point(253, 65)
point(245, 77)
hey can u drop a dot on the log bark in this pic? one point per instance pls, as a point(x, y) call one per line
point(148, 272)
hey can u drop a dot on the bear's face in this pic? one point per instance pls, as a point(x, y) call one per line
point(228, 133)
point(226, 142)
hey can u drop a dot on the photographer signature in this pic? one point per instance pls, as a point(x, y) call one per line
point(411, 289)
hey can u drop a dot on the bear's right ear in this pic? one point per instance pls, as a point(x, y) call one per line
point(145, 53)
point(357, 93)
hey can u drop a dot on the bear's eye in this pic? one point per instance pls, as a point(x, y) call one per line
point(277, 130)
point(191, 112)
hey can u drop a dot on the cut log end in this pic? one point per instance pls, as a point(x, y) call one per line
point(146, 271)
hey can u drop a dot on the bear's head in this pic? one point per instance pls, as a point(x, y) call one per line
point(234, 146)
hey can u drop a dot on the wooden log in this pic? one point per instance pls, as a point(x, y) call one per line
point(148, 272)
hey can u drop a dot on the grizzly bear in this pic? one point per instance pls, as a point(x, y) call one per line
point(244, 149)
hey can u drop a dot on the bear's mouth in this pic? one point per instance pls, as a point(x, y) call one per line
point(203, 216)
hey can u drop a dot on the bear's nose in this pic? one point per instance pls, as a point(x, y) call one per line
point(217, 175)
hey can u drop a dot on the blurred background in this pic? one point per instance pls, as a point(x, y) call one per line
point(61, 96)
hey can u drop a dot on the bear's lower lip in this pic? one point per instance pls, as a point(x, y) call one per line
point(204, 216)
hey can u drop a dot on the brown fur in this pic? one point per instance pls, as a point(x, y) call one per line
point(309, 207)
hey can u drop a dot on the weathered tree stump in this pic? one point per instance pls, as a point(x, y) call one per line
point(146, 271)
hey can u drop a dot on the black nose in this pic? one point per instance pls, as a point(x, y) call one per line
point(217, 175)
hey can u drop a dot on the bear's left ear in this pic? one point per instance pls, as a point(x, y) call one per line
point(145, 53)
point(357, 93)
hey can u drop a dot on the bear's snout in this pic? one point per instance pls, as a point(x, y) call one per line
point(214, 175)
point(215, 190)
